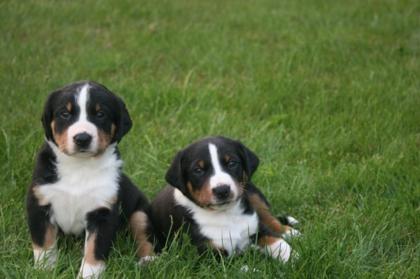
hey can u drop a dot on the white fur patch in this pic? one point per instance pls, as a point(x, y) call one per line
point(91, 271)
point(229, 228)
point(146, 260)
point(291, 234)
point(84, 184)
point(82, 125)
point(280, 250)
point(220, 177)
point(292, 221)
point(45, 259)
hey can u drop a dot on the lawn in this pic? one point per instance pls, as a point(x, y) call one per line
point(327, 93)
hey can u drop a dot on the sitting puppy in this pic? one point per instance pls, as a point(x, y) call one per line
point(211, 194)
point(78, 185)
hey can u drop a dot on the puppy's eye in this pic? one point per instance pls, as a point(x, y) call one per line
point(100, 114)
point(65, 114)
point(198, 171)
point(232, 164)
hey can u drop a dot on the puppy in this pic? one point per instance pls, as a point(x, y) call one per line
point(211, 195)
point(78, 185)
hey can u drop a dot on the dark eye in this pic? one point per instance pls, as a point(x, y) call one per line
point(65, 114)
point(198, 171)
point(232, 164)
point(100, 114)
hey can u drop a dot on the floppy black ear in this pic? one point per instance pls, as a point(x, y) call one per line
point(47, 117)
point(251, 160)
point(174, 176)
point(124, 122)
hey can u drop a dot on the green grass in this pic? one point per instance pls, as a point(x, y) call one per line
point(327, 93)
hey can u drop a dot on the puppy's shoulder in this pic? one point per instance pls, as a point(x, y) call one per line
point(45, 168)
point(255, 194)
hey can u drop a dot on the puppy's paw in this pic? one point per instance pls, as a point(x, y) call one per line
point(246, 269)
point(91, 271)
point(292, 221)
point(146, 260)
point(280, 250)
point(45, 259)
point(291, 233)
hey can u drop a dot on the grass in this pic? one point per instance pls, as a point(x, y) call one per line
point(327, 93)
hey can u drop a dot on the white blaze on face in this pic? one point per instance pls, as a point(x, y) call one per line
point(220, 177)
point(82, 125)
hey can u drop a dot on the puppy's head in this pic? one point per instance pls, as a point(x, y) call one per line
point(84, 118)
point(213, 172)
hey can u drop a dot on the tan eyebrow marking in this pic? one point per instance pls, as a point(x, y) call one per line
point(69, 106)
point(227, 158)
point(201, 163)
point(98, 107)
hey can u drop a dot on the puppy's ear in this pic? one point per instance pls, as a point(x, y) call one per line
point(47, 117)
point(124, 122)
point(251, 160)
point(175, 176)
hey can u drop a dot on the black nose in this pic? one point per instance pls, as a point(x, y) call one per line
point(82, 140)
point(221, 192)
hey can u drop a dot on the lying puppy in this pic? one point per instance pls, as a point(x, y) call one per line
point(211, 194)
point(78, 185)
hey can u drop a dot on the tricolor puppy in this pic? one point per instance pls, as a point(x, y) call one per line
point(211, 195)
point(78, 185)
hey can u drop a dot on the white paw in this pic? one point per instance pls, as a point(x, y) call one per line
point(45, 259)
point(91, 271)
point(291, 233)
point(245, 268)
point(292, 221)
point(146, 260)
point(280, 250)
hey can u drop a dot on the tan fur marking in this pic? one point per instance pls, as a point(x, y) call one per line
point(203, 196)
point(49, 238)
point(42, 200)
point(138, 226)
point(97, 107)
point(265, 215)
point(90, 250)
point(227, 158)
point(112, 201)
point(244, 177)
point(69, 106)
point(267, 240)
point(60, 139)
point(201, 164)
point(113, 129)
point(104, 140)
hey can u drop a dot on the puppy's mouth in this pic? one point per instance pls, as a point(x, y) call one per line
point(83, 153)
point(220, 205)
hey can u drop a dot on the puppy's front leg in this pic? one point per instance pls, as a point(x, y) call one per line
point(140, 225)
point(43, 233)
point(100, 232)
point(45, 252)
point(267, 218)
point(275, 247)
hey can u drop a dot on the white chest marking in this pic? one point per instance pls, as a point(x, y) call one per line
point(229, 228)
point(83, 185)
